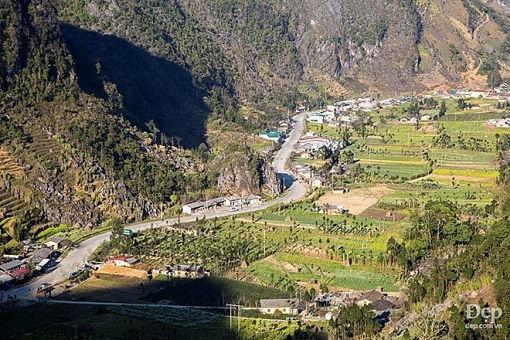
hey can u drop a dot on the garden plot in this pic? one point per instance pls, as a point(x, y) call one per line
point(357, 200)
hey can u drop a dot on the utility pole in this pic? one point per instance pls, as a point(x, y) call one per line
point(264, 232)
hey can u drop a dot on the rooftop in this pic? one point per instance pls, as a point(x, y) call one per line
point(41, 254)
point(381, 305)
point(11, 265)
point(195, 205)
point(371, 296)
point(55, 239)
point(278, 303)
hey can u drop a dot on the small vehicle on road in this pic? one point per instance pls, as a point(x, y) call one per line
point(233, 209)
point(43, 287)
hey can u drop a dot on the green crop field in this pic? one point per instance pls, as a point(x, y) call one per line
point(386, 170)
point(471, 116)
point(332, 273)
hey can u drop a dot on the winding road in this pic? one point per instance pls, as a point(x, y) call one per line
point(79, 255)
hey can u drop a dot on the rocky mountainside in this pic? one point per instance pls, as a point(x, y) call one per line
point(65, 157)
point(272, 53)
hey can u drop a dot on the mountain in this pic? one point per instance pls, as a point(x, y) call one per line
point(112, 108)
point(271, 53)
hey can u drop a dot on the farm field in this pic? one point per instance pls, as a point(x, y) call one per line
point(334, 274)
point(292, 229)
point(397, 170)
point(415, 169)
point(407, 198)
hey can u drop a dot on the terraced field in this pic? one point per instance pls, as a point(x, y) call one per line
point(8, 165)
point(10, 209)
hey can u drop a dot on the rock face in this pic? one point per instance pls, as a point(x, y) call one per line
point(272, 183)
point(262, 51)
point(236, 173)
point(300, 40)
point(361, 40)
point(243, 172)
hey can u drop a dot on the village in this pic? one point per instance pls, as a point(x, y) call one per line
point(40, 258)
point(37, 259)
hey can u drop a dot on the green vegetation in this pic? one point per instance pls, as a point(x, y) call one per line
point(333, 274)
point(88, 134)
point(143, 322)
point(223, 245)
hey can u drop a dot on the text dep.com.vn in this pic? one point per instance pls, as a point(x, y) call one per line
point(490, 315)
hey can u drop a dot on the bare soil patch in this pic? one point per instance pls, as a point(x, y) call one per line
point(357, 200)
point(114, 284)
point(486, 294)
point(122, 271)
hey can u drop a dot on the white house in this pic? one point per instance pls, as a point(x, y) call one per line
point(315, 117)
point(331, 108)
point(329, 115)
point(232, 201)
point(285, 306)
point(191, 208)
point(123, 261)
point(252, 199)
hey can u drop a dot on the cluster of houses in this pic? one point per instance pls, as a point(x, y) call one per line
point(40, 258)
point(308, 175)
point(340, 113)
point(500, 123)
point(382, 303)
point(232, 202)
point(310, 144)
point(501, 93)
point(330, 117)
point(277, 133)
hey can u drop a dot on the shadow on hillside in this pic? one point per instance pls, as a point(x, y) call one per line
point(152, 88)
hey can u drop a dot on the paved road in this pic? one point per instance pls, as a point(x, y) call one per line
point(76, 257)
